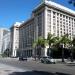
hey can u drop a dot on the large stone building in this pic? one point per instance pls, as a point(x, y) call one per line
point(14, 37)
point(3, 31)
point(6, 42)
point(48, 17)
point(26, 37)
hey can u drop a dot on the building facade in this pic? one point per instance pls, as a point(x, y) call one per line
point(6, 42)
point(48, 17)
point(54, 18)
point(26, 38)
point(14, 38)
point(3, 31)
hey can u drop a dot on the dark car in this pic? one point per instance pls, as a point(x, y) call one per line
point(47, 60)
point(23, 58)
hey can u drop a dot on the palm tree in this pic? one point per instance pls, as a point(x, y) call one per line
point(64, 40)
point(39, 44)
point(72, 43)
point(56, 43)
point(52, 41)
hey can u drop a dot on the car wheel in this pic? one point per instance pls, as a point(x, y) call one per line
point(53, 62)
point(42, 61)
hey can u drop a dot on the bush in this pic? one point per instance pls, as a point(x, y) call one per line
point(4, 55)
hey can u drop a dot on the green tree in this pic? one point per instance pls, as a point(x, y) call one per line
point(39, 44)
point(73, 42)
point(72, 45)
point(64, 40)
point(6, 53)
point(52, 41)
point(56, 43)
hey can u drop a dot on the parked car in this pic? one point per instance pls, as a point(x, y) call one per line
point(47, 60)
point(23, 58)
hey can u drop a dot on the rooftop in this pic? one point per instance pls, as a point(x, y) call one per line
point(55, 5)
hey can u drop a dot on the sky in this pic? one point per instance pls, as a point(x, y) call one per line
point(12, 11)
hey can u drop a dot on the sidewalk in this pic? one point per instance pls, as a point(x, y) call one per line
point(7, 70)
point(69, 62)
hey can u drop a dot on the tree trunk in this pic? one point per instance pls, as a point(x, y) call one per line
point(71, 56)
point(35, 53)
point(50, 50)
point(71, 53)
point(39, 53)
point(63, 53)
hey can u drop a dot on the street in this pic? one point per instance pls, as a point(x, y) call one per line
point(37, 68)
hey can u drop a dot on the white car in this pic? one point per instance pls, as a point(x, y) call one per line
point(47, 59)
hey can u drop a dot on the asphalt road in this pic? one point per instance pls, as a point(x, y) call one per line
point(40, 68)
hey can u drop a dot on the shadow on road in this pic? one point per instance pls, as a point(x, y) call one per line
point(37, 73)
point(70, 65)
